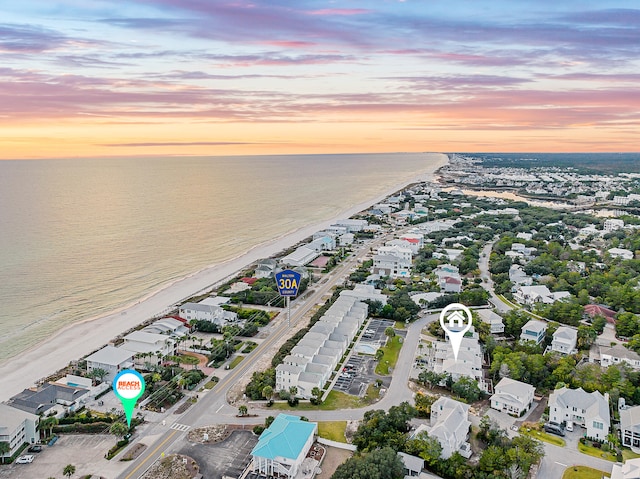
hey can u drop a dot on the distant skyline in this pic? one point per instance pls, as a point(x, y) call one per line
point(203, 77)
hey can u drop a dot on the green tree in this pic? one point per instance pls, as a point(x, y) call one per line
point(69, 470)
point(467, 389)
point(267, 392)
point(118, 429)
point(48, 422)
point(98, 373)
point(425, 447)
point(389, 332)
point(5, 447)
point(293, 390)
point(243, 410)
point(381, 463)
point(317, 395)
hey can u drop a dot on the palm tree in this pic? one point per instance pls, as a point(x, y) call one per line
point(243, 410)
point(69, 470)
point(267, 392)
point(48, 422)
point(5, 447)
point(118, 429)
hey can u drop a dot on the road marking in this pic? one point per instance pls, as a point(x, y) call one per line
point(152, 454)
point(180, 427)
point(218, 410)
point(563, 465)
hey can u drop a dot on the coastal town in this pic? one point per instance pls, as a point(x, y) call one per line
point(358, 374)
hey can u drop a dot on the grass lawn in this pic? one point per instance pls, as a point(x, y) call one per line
point(390, 358)
point(332, 430)
point(583, 472)
point(543, 436)
point(629, 454)
point(400, 325)
point(595, 452)
point(235, 361)
point(210, 384)
point(335, 400)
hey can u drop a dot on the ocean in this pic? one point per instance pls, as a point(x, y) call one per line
point(80, 238)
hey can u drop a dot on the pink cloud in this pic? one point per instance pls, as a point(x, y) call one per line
point(339, 11)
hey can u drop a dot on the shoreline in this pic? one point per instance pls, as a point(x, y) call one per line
point(82, 337)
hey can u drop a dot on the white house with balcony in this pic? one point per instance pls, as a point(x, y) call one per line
point(203, 311)
point(617, 354)
point(494, 320)
point(513, 397)
point(590, 410)
point(450, 426)
point(565, 340)
point(149, 347)
point(534, 330)
point(283, 446)
point(391, 266)
point(630, 427)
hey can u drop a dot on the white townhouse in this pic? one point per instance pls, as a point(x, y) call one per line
point(365, 291)
point(590, 410)
point(513, 397)
point(396, 250)
point(352, 226)
point(17, 427)
point(450, 426)
point(613, 224)
point(111, 359)
point(620, 253)
point(155, 346)
point(565, 340)
point(468, 364)
point(203, 311)
point(493, 319)
point(630, 427)
point(534, 330)
point(618, 354)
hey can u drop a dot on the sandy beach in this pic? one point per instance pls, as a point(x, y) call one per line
point(81, 338)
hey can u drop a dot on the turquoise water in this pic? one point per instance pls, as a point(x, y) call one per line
point(82, 237)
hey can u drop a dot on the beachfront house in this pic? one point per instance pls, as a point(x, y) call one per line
point(149, 347)
point(207, 312)
point(512, 397)
point(302, 256)
point(590, 410)
point(351, 225)
point(170, 326)
point(630, 427)
point(50, 399)
point(17, 427)
point(283, 446)
point(110, 359)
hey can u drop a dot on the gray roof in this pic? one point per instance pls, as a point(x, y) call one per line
point(111, 355)
point(43, 399)
point(534, 325)
point(564, 332)
point(630, 418)
point(12, 418)
point(594, 403)
point(412, 463)
point(516, 388)
point(619, 351)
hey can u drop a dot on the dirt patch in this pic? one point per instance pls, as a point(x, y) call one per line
point(183, 407)
point(134, 452)
point(333, 458)
point(350, 430)
point(175, 466)
point(215, 433)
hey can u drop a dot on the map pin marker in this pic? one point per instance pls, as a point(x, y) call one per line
point(456, 324)
point(128, 386)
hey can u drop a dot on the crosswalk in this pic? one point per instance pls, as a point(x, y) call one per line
point(180, 427)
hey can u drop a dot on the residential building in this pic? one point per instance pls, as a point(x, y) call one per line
point(16, 428)
point(565, 340)
point(203, 311)
point(397, 250)
point(530, 295)
point(327, 242)
point(512, 397)
point(302, 256)
point(630, 426)
point(468, 364)
point(449, 284)
point(450, 426)
point(590, 410)
point(534, 330)
point(111, 359)
point(391, 266)
point(518, 277)
point(612, 224)
point(352, 225)
point(620, 253)
point(170, 326)
point(416, 240)
point(593, 310)
point(493, 319)
point(617, 354)
point(364, 292)
point(283, 446)
point(629, 470)
point(149, 347)
point(49, 399)
point(413, 465)
point(265, 268)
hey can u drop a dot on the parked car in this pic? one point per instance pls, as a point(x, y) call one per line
point(556, 429)
point(26, 459)
point(569, 426)
point(35, 448)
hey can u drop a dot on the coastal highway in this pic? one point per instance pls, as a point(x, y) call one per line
point(213, 407)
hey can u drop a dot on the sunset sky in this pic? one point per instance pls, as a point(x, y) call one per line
point(206, 77)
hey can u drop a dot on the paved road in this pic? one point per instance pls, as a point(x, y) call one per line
point(213, 408)
point(557, 459)
point(483, 265)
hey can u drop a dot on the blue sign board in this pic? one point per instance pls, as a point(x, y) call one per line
point(288, 282)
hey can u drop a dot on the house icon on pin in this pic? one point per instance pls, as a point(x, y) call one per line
point(456, 320)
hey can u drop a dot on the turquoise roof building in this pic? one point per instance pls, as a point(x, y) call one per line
point(283, 446)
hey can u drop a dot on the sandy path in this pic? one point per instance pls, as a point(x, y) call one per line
point(79, 339)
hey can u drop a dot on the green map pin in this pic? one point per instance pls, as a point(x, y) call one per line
point(128, 386)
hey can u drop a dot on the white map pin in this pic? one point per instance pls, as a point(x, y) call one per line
point(456, 325)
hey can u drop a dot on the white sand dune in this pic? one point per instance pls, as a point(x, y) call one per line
point(81, 338)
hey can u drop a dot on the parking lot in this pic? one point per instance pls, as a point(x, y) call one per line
point(85, 451)
point(374, 331)
point(227, 458)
